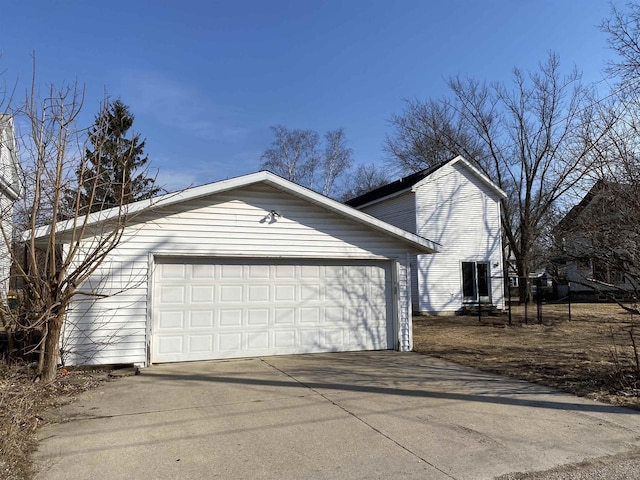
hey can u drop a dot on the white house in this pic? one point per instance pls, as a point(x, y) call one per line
point(596, 243)
point(459, 208)
point(251, 266)
point(10, 191)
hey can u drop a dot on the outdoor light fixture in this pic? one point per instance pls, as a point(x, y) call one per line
point(271, 217)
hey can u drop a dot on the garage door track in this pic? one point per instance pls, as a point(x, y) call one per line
point(350, 416)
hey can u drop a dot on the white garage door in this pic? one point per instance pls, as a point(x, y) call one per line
point(206, 309)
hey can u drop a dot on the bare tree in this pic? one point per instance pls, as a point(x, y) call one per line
point(535, 138)
point(337, 160)
point(623, 30)
point(297, 156)
point(428, 133)
point(599, 238)
point(56, 257)
point(367, 177)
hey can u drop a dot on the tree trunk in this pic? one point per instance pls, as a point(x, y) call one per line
point(49, 361)
point(524, 288)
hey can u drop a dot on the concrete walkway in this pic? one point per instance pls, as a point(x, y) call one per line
point(349, 416)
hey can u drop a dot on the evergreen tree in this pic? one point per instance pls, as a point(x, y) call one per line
point(116, 166)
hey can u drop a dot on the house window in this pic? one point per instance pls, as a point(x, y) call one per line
point(583, 264)
point(606, 273)
point(476, 285)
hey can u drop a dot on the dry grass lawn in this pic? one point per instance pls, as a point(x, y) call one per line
point(591, 355)
point(22, 403)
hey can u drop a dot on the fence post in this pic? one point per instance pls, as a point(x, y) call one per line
point(509, 302)
point(507, 292)
point(539, 299)
point(569, 298)
point(526, 301)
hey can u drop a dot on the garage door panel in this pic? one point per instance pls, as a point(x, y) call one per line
point(284, 339)
point(258, 340)
point(202, 294)
point(230, 317)
point(309, 337)
point(284, 293)
point(173, 271)
point(170, 345)
point(230, 271)
point(284, 316)
point(310, 315)
point(230, 293)
point(285, 271)
point(334, 293)
point(334, 337)
point(229, 341)
point(310, 293)
point(257, 317)
point(259, 272)
point(310, 271)
point(205, 272)
point(224, 309)
point(171, 320)
point(202, 319)
point(334, 314)
point(172, 294)
point(200, 343)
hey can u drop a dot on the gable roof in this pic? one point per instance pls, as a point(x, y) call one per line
point(400, 185)
point(9, 167)
point(415, 241)
point(603, 190)
point(415, 180)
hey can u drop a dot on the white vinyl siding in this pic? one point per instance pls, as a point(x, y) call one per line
point(457, 210)
point(8, 174)
point(6, 217)
point(232, 224)
point(399, 211)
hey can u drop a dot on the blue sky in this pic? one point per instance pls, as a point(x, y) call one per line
point(206, 79)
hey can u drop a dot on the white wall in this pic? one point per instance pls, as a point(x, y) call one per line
point(401, 212)
point(457, 210)
point(231, 224)
point(7, 173)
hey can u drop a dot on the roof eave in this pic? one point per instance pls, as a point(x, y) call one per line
point(418, 243)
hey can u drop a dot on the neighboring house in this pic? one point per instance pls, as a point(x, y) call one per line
point(10, 191)
point(459, 208)
point(250, 266)
point(592, 240)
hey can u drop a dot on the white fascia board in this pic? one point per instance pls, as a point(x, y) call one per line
point(421, 244)
point(481, 176)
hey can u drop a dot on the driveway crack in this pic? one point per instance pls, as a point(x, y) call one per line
point(354, 415)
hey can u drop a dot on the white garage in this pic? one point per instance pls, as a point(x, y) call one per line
point(251, 266)
point(211, 308)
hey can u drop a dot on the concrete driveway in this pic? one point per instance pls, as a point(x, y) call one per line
point(357, 415)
